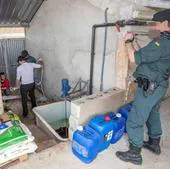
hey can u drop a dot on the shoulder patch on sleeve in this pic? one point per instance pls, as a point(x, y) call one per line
point(157, 44)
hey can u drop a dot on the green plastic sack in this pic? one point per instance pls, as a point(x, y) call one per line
point(12, 135)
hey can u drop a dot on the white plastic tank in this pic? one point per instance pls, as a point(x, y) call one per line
point(52, 117)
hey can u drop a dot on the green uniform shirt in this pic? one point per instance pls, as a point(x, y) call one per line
point(153, 61)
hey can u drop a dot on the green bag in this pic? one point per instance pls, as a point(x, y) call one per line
point(12, 135)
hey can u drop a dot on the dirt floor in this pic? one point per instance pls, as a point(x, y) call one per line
point(61, 157)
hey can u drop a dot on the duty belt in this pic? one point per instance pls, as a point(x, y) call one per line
point(146, 84)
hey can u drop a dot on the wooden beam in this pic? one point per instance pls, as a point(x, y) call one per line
point(122, 64)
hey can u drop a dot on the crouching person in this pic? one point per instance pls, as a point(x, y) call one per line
point(5, 84)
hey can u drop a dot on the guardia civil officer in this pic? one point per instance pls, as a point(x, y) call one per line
point(152, 73)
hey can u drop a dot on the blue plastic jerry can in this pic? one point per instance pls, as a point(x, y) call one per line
point(119, 123)
point(124, 111)
point(104, 126)
point(3, 126)
point(85, 144)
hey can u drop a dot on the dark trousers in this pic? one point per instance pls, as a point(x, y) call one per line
point(145, 110)
point(27, 89)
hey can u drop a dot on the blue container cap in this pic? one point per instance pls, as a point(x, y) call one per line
point(3, 126)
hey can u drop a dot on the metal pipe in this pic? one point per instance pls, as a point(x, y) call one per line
point(93, 51)
point(92, 59)
point(65, 110)
point(120, 23)
point(104, 52)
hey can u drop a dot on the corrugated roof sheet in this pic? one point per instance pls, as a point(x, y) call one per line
point(18, 12)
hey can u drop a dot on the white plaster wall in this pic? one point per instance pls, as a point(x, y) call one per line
point(61, 34)
point(114, 5)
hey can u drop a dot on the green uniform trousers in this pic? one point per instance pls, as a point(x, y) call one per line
point(145, 109)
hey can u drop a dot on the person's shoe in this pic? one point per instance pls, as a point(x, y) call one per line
point(21, 114)
point(28, 117)
point(133, 155)
point(153, 144)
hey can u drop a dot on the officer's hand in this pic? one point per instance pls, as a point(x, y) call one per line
point(39, 59)
point(129, 37)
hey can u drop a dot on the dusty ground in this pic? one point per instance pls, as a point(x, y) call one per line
point(61, 157)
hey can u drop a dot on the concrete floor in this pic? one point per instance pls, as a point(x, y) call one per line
point(61, 157)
